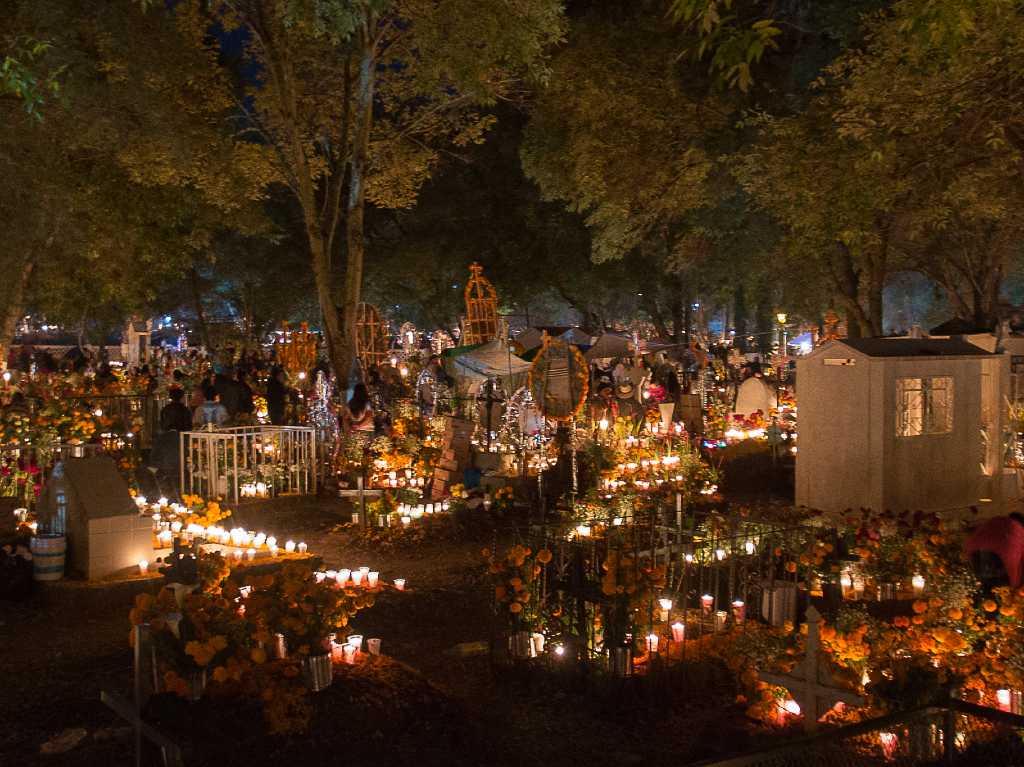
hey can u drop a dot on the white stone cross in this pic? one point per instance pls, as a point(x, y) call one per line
point(811, 686)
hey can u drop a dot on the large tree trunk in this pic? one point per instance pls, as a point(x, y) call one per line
point(15, 309)
point(355, 207)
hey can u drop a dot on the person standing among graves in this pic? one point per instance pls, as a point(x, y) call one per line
point(211, 412)
point(277, 396)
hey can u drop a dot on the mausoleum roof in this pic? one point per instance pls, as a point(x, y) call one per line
point(915, 347)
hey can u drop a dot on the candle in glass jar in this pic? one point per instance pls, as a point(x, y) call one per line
point(720, 618)
point(1003, 698)
point(343, 576)
point(348, 654)
point(652, 643)
point(918, 583)
point(289, 546)
point(356, 640)
point(373, 646)
point(665, 604)
point(301, 548)
point(143, 566)
point(845, 582)
point(400, 584)
point(357, 577)
point(739, 611)
point(371, 579)
point(238, 555)
point(706, 603)
point(678, 632)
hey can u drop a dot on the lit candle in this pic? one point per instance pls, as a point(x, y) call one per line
point(406, 521)
point(845, 583)
point(289, 546)
point(356, 640)
point(259, 540)
point(1004, 698)
point(320, 577)
point(273, 551)
point(666, 605)
point(652, 643)
point(331, 575)
point(238, 555)
point(371, 579)
point(706, 602)
point(271, 541)
point(301, 548)
point(400, 584)
point(250, 554)
point(720, 554)
point(373, 646)
point(720, 618)
point(538, 642)
point(678, 632)
point(343, 576)
point(357, 577)
point(143, 566)
point(858, 587)
point(918, 583)
point(739, 610)
point(750, 547)
point(337, 653)
point(348, 654)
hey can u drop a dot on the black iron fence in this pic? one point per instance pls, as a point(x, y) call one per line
point(953, 733)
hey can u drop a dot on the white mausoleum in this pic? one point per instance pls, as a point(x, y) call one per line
point(902, 423)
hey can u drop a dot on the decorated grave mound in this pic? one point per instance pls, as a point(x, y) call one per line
point(374, 702)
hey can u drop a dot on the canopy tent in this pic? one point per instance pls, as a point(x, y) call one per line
point(577, 337)
point(804, 342)
point(490, 360)
point(610, 345)
point(529, 339)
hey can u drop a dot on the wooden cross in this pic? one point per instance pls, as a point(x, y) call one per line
point(361, 492)
point(811, 686)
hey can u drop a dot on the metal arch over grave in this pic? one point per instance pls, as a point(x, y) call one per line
point(372, 341)
point(812, 686)
point(481, 308)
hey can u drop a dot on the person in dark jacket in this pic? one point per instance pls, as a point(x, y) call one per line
point(175, 415)
point(277, 396)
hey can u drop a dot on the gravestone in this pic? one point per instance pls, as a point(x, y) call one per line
point(753, 395)
point(105, 531)
point(455, 456)
point(810, 684)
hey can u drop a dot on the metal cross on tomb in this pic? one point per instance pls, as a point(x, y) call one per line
point(812, 686)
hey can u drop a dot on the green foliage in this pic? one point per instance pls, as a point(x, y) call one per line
point(730, 44)
point(21, 76)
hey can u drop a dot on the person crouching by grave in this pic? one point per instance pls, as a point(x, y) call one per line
point(211, 413)
point(996, 550)
point(604, 406)
point(357, 416)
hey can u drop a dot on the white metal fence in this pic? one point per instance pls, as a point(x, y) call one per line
point(249, 462)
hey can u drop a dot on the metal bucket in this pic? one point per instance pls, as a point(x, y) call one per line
point(621, 661)
point(195, 685)
point(279, 647)
point(520, 645)
point(317, 672)
point(48, 557)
